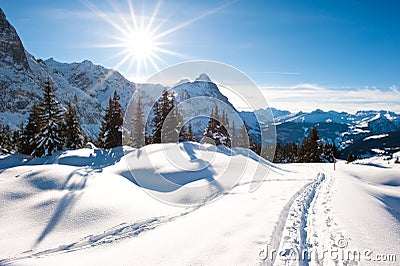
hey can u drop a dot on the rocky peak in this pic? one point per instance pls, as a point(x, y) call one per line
point(12, 51)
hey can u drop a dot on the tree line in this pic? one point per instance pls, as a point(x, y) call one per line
point(50, 128)
point(311, 150)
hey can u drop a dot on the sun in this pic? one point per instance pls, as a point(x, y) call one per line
point(141, 45)
point(139, 39)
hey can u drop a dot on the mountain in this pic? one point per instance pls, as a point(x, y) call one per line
point(85, 84)
point(89, 86)
point(344, 129)
point(373, 145)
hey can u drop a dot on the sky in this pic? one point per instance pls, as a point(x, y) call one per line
point(342, 55)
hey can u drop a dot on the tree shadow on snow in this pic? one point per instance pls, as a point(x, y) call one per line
point(392, 204)
point(171, 181)
point(74, 184)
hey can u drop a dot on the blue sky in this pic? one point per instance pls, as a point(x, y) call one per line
point(296, 51)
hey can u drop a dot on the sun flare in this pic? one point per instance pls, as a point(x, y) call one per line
point(140, 38)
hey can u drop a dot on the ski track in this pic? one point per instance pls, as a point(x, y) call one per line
point(111, 235)
point(119, 232)
point(306, 228)
point(291, 236)
point(295, 230)
point(323, 232)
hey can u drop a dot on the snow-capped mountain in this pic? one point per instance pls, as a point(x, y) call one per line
point(22, 76)
point(89, 86)
point(339, 127)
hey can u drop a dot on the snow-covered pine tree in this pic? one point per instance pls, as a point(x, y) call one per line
point(105, 125)
point(172, 124)
point(242, 139)
point(161, 109)
point(216, 131)
point(187, 134)
point(28, 141)
point(330, 152)
point(6, 142)
point(153, 131)
point(111, 127)
point(310, 150)
point(137, 133)
point(73, 136)
point(50, 137)
point(190, 135)
point(351, 157)
point(183, 134)
point(15, 139)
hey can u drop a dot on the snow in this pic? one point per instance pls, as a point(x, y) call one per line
point(82, 207)
point(203, 77)
point(376, 137)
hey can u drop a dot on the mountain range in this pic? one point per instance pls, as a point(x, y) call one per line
point(89, 87)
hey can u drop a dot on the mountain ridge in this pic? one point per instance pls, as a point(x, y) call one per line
point(89, 87)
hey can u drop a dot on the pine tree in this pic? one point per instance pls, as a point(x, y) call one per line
point(49, 139)
point(105, 125)
point(73, 135)
point(172, 122)
point(310, 150)
point(351, 157)
point(111, 127)
point(216, 130)
point(190, 135)
point(16, 138)
point(166, 120)
point(138, 126)
point(154, 134)
point(6, 142)
point(28, 141)
point(187, 134)
point(330, 152)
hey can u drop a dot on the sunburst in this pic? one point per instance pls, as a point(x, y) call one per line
point(140, 38)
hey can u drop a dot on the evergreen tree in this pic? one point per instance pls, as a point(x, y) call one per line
point(6, 142)
point(286, 153)
point(217, 131)
point(49, 139)
point(28, 141)
point(351, 157)
point(16, 138)
point(73, 135)
point(330, 152)
point(154, 135)
point(310, 150)
point(111, 127)
point(166, 120)
point(138, 126)
point(190, 135)
point(187, 135)
point(172, 123)
point(243, 137)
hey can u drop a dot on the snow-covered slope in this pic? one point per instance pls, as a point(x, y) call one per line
point(83, 207)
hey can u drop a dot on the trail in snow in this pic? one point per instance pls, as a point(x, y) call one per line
point(294, 234)
point(116, 233)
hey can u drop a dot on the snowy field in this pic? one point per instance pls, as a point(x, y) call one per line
point(84, 208)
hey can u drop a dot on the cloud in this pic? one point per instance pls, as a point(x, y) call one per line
point(307, 97)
